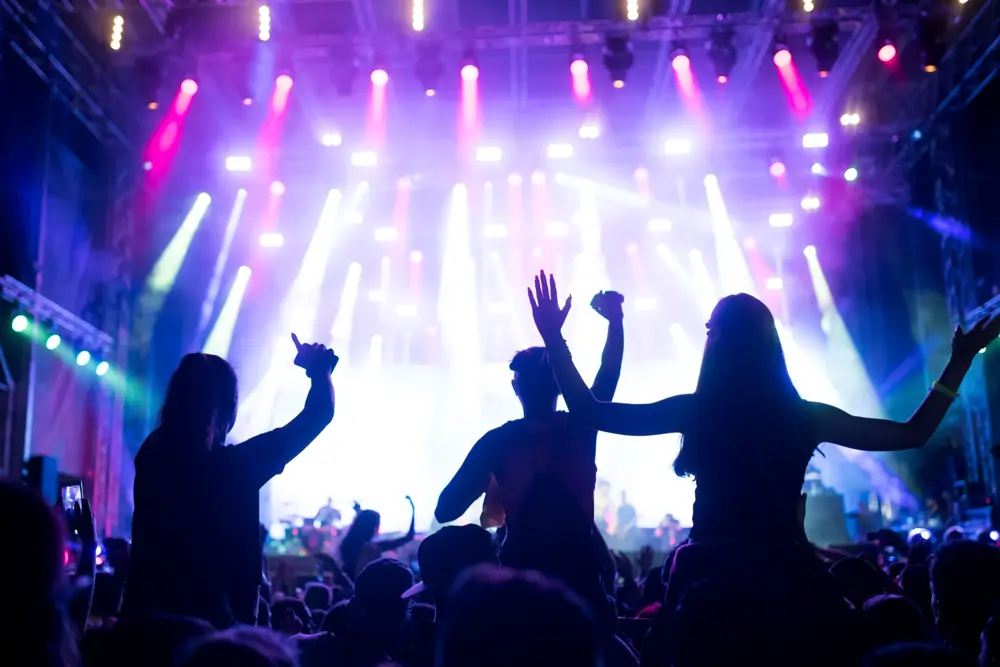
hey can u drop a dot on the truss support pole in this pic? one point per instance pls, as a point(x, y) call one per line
point(960, 293)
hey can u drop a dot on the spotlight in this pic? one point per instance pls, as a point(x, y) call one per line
point(808, 6)
point(578, 67)
point(416, 256)
point(247, 101)
point(780, 220)
point(815, 140)
point(380, 77)
point(722, 53)
point(189, 86)
point(589, 131)
point(851, 174)
point(559, 151)
point(618, 58)
point(470, 73)
point(264, 23)
point(117, 27)
point(679, 58)
point(238, 163)
point(887, 52)
point(933, 32)
point(429, 67)
point(782, 56)
point(330, 139)
point(810, 203)
point(824, 42)
point(677, 146)
point(102, 369)
point(19, 323)
point(430, 92)
point(53, 341)
point(364, 159)
point(271, 240)
point(778, 169)
point(809, 251)
point(632, 10)
point(774, 284)
point(283, 82)
point(851, 119)
point(82, 358)
point(417, 17)
point(277, 188)
point(488, 154)
point(818, 169)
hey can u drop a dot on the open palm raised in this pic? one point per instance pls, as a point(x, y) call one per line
point(545, 309)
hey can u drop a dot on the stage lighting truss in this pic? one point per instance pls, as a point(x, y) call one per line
point(618, 57)
point(933, 31)
point(61, 324)
point(429, 68)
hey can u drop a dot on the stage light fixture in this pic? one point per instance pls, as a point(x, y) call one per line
point(824, 42)
point(589, 131)
point(618, 57)
point(809, 251)
point(283, 82)
point(815, 140)
point(331, 139)
point(632, 10)
point(277, 188)
point(780, 220)
point(933, 30)
point(559, 151)
point(470, 64)
point(808, 6)
point(53, 341)
point(818, 169)
point(851, 174)
point(488, 154)
point(578, 66)
point(82, 358)
point(778, 169)
point(429, 67)
point(364, 159)
point(271, 240)
point(722, 53)
point(117, 28)
point(810, 203)
point(782, 55)
point(19, 323)
point(417, 15)
point(677, 146)
point(416, 256)
point(850, 119)
point(238, 163)
point(379, 77)
point(264, 23)
point(680, 59)
point(470, 72)
point(102, 369)
point(887, 52)
point(189, 86)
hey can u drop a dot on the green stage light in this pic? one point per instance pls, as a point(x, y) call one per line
point(19, 323)
point(102, 368)
point(53, 341)
point(82, 358)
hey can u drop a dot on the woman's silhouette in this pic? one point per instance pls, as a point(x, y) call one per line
point(196, 547)
point(359, 546)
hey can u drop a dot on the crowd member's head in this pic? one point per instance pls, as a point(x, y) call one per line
point(917, 655)
point(318, 597)
point(246, 647)
point(37, 632)
point(200, 405)
point(965, 588)
point(499, 617)
point(377, 612)
point(534, 383)
point(953, 534)
point(444, 555)
point(892, 619)
point(743, 368)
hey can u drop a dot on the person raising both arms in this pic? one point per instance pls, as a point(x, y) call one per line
point(539, 471)
point(196, 548)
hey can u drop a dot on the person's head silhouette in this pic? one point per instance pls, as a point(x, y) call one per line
point(200, 405)
point(533, 382)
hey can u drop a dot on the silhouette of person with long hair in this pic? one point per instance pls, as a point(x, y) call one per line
point(359, 546)
point(540, 470)
point(196, 548)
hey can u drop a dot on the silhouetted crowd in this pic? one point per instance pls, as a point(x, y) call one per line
point(534, 584)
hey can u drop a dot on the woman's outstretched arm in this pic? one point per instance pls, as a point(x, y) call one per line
point(666, 416)
point(883, 435)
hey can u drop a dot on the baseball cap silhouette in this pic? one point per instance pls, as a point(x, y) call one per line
point(444, 555)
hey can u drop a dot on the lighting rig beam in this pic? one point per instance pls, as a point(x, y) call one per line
point(857, 48)
point(663, 78)
point(751, 59)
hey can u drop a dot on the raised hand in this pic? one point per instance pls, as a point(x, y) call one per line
point(967, 344)
point(314, 358)
point(608, 305)
point(545, 309)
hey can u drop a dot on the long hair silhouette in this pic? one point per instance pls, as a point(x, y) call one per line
point(201, 400)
